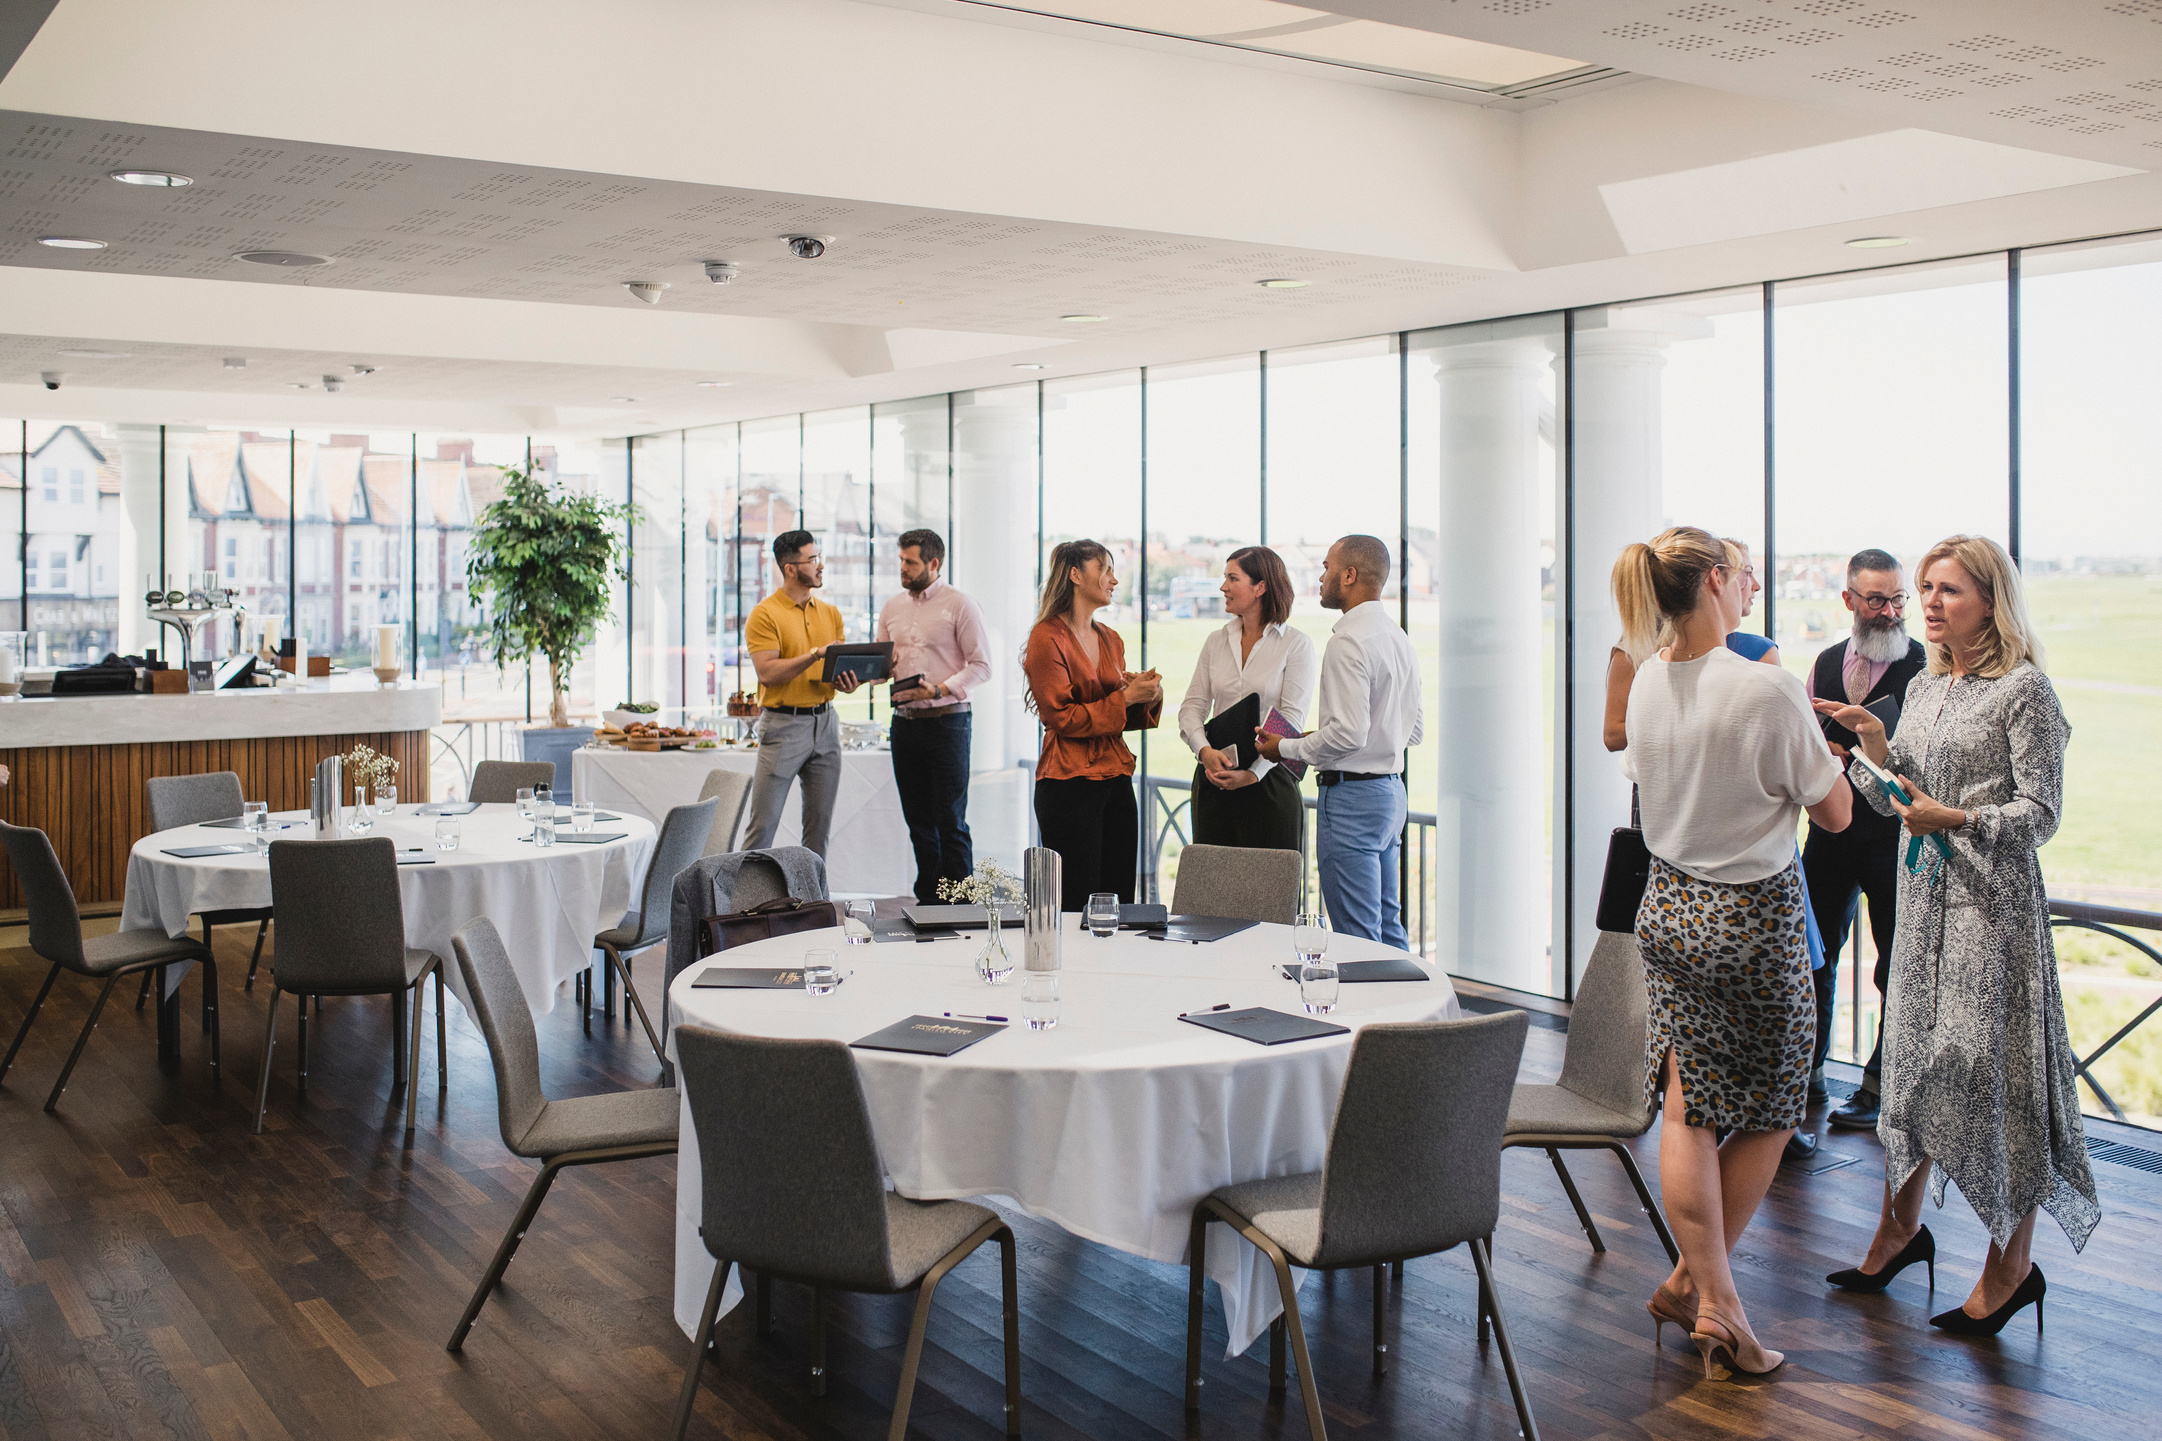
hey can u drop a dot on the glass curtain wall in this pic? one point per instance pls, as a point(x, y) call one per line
point(659, 657)
point(837, 509)
point(711, 623)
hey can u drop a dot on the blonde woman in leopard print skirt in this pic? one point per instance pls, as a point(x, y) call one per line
point(1726, 755)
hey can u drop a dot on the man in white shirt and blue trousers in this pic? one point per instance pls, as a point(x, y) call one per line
point(1367, 716)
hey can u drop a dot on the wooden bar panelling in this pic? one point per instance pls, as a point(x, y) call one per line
point(91, 799)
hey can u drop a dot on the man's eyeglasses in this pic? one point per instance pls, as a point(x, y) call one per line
point(1882, 602)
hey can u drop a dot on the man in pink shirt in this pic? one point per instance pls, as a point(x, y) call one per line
point(938, 644)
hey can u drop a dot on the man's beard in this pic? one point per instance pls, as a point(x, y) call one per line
point(1880, 641)
point(919, 585)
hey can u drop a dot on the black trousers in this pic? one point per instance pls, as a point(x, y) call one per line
point(1095, 829)
point(1842, 872)
point(1267, 815)
point(930, 770)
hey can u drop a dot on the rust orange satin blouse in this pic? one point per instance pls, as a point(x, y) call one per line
point(1079, 706)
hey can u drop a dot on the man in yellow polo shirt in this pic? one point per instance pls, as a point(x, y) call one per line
point(787, 634)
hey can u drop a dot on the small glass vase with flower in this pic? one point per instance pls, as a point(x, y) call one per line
point(989, 887)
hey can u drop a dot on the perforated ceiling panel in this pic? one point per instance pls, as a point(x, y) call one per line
point(2078, 77)
point(428, 225)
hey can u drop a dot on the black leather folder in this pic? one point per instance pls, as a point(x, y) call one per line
point(1232, 729)
point(1263, 1026)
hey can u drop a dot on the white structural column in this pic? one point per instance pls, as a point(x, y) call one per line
point(1490, 804)
point(138, 549)
point(1617, 420)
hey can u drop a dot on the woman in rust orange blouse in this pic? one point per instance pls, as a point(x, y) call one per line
point(1079, 686)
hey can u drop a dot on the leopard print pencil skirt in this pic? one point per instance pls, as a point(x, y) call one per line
point(1726, 969)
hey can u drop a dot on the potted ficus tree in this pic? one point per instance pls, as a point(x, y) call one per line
point(541, 562)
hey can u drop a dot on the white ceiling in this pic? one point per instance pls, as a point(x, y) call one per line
point(983, 170)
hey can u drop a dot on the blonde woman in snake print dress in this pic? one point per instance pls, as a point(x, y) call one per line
point(1726, 756)
point(1978, 1071)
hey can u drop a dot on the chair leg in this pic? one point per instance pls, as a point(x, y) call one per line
point(632, 1001)
point(1299, 1356)
point(585, 997)
point(608, 992)
point(301, 1055)
point(29, 1016)
point(1381, 1296)
point(270, 1040)
point(699, 1343)
point(1396, 1272)
point(206, 995)
point(509, 1247)
point(412, 1054)
point(1277, 1369)
point(397, 1037)
point(210, 1008)
point(442, 1037)
point(143, 994)
point(925, 1289)
point(1482, 1257)
point(1486, 1307)
point(262, 929)
point(1196, 1243)
point(1009, 1281)
point(1568, 1183)
point(818, 1339)
point(1651, 1207)
point(52, 1101)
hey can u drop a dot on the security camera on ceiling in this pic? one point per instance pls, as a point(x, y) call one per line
point(720, 272)
point(52, 379)
point(333, 383)
point(807, 247)
point(362, 369)
point(647, 290)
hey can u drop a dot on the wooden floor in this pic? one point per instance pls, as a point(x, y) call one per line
point(169, 1274)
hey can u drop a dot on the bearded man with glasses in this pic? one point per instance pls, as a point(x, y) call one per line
point(1875, 661)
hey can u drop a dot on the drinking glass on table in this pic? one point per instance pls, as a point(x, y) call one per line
point(255, 820)
point(1317, 985)
point(820, 975)
point(581, 816)
point(525, 803)
point(1039, 1000)
point(1309, 937)
point(446, 833)
point(856, 925)
point(1102, 914)
point(386, 799)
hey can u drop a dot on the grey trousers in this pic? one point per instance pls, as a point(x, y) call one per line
point(789, 746)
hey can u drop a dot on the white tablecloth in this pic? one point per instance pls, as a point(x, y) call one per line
point(1114, 1125)
point(867, 854)
point(548, 904)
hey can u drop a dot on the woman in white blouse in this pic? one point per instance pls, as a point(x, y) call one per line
point(1256, 653)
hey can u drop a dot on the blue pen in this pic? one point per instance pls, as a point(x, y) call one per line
point(964, 1016)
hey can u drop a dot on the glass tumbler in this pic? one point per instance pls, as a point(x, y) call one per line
point(820, 975)
point(525, 803)
point(857, 924)
point(582, 816)
point(1102, 914)
point(386, 800)
point(446, 833)
point(1317, 986)
point(255, 819)
point(1039, 999)
point(1309, 937)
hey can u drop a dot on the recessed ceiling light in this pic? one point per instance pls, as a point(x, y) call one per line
point(1027, 365)
point(296, 385)
point(713, 384)
point(236, 362)
point(290, 259)
point(70, 242)
point(1283, 284)
point(95, 354)
point(1084, 319)
point(623, 399)
point(1880, 242)
point(151, 177)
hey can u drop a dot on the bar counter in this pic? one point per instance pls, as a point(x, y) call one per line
point(79, 762)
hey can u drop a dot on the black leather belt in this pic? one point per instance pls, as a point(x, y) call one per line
point(1337, 778)
point(818, 709)
point(959, 707)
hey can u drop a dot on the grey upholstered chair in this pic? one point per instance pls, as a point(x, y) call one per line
point(56, 935)
point(620, 1126)
point(1413, 1167)
point(1600, 1102)
point(190, 801)
point(498, 782)
point(1237, 881)
point(733, 790)
point(819, 1214)
point(682, 841)
point(341, 932)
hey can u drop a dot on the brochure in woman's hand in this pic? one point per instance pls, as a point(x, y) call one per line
point(1898, 792)
point(1276, 725)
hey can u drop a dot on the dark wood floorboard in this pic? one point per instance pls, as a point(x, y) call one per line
point(168, 1274)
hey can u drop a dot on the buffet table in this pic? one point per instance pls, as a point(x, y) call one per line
point(867, 853)
point(80, 762)
point(1113, 1125)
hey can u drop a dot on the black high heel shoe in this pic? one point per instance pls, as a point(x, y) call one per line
point(1922, 1248)
point(1959, 1323)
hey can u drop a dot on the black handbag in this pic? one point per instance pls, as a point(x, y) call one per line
point(781, 916)
point(1628, 871)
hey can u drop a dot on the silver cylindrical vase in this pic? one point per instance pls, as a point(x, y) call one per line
point(326, 798)
point(1040, 882)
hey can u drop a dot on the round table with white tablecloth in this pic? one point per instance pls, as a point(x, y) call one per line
point(867, 853)
point(548, 902)
point(1113, 1125)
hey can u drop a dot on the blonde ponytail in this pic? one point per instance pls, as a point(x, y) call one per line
point(1656, 585)
point(1636, 597)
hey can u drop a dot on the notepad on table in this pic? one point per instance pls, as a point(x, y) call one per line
point(449, 808)
point(589, 838)
point(190, 853)
point(749, 978)
point(1265, 1027)
point(1388, 968)
point(928, 1036)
